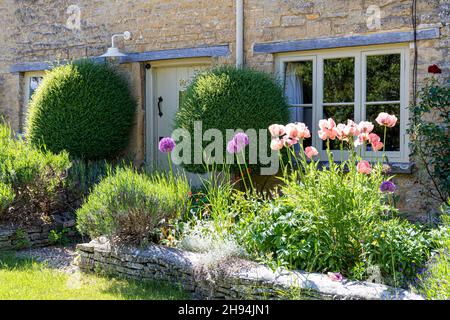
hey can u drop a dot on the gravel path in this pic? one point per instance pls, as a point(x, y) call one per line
point(60, 258)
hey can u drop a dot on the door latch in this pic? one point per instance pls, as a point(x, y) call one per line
point(160, 100)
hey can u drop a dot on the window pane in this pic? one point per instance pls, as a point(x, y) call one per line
point(298, 82)
point(34, 84)
point(340, 114)
point(392, 134)
point(339, 83)
point(383, 77)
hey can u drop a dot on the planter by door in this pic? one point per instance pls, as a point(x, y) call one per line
point(166, 85)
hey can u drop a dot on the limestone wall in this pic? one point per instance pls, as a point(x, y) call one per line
point(232, 279)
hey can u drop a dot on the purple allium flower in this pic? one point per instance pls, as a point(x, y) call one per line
point(166, 145)
point(241, 139)
point(387, 186)
point(335, 276)
point(233, 147)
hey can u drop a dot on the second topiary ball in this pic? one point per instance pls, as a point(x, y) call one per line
point(85, 108)
point(231, 98)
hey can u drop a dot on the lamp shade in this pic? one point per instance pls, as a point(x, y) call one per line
point(113, 52)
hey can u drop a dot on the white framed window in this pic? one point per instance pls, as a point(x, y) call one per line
point(352, 83)
point(32, 82)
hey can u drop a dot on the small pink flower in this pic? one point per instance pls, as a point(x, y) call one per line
point(276, 144)
point(365, 127)
point(387, 120)
point(277, 130)
point(327, 129)
point(364, 167)
point(335, 276)
point(311, 152)
point(377, 145)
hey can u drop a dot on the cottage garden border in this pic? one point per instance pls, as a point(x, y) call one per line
point(242, 279)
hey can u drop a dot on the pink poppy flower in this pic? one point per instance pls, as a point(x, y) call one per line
point(311, 152)
point(365, 127)
point(377, 145)
point(291, 130)
point(340, 132)
point(363, 137)
point(277, 130)
point(327, 124)
point(387, 120)
point(276, 144)
point(303, 131)
point(327, 129)
point(373, 137)
point(364, 167)
point(351, 129)
point(289, 142)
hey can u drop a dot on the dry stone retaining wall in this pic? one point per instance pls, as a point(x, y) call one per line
point(14, 237)
point(236, 279)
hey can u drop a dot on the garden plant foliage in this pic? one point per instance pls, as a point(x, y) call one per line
point(130, 206)
point(31, 180)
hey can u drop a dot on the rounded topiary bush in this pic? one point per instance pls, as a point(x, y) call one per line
point(230, 98)
point(85, 108)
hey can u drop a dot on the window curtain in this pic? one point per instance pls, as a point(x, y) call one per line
point(293, 91)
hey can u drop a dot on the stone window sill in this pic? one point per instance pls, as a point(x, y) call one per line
point(396, 167)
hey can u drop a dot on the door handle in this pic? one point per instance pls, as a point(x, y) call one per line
point(160, 100)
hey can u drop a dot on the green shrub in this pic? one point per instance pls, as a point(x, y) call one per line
point(84, 108)
point(310, 241)
point(434, 280)
point(129, 206)
point(61, 238)
point(82, 177)
point(30, 179)
point(429, 133)
point(230, 98)
point(6, 196)
point(398, 248)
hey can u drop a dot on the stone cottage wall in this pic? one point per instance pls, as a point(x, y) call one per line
point(238, 279)
point(36, 30)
